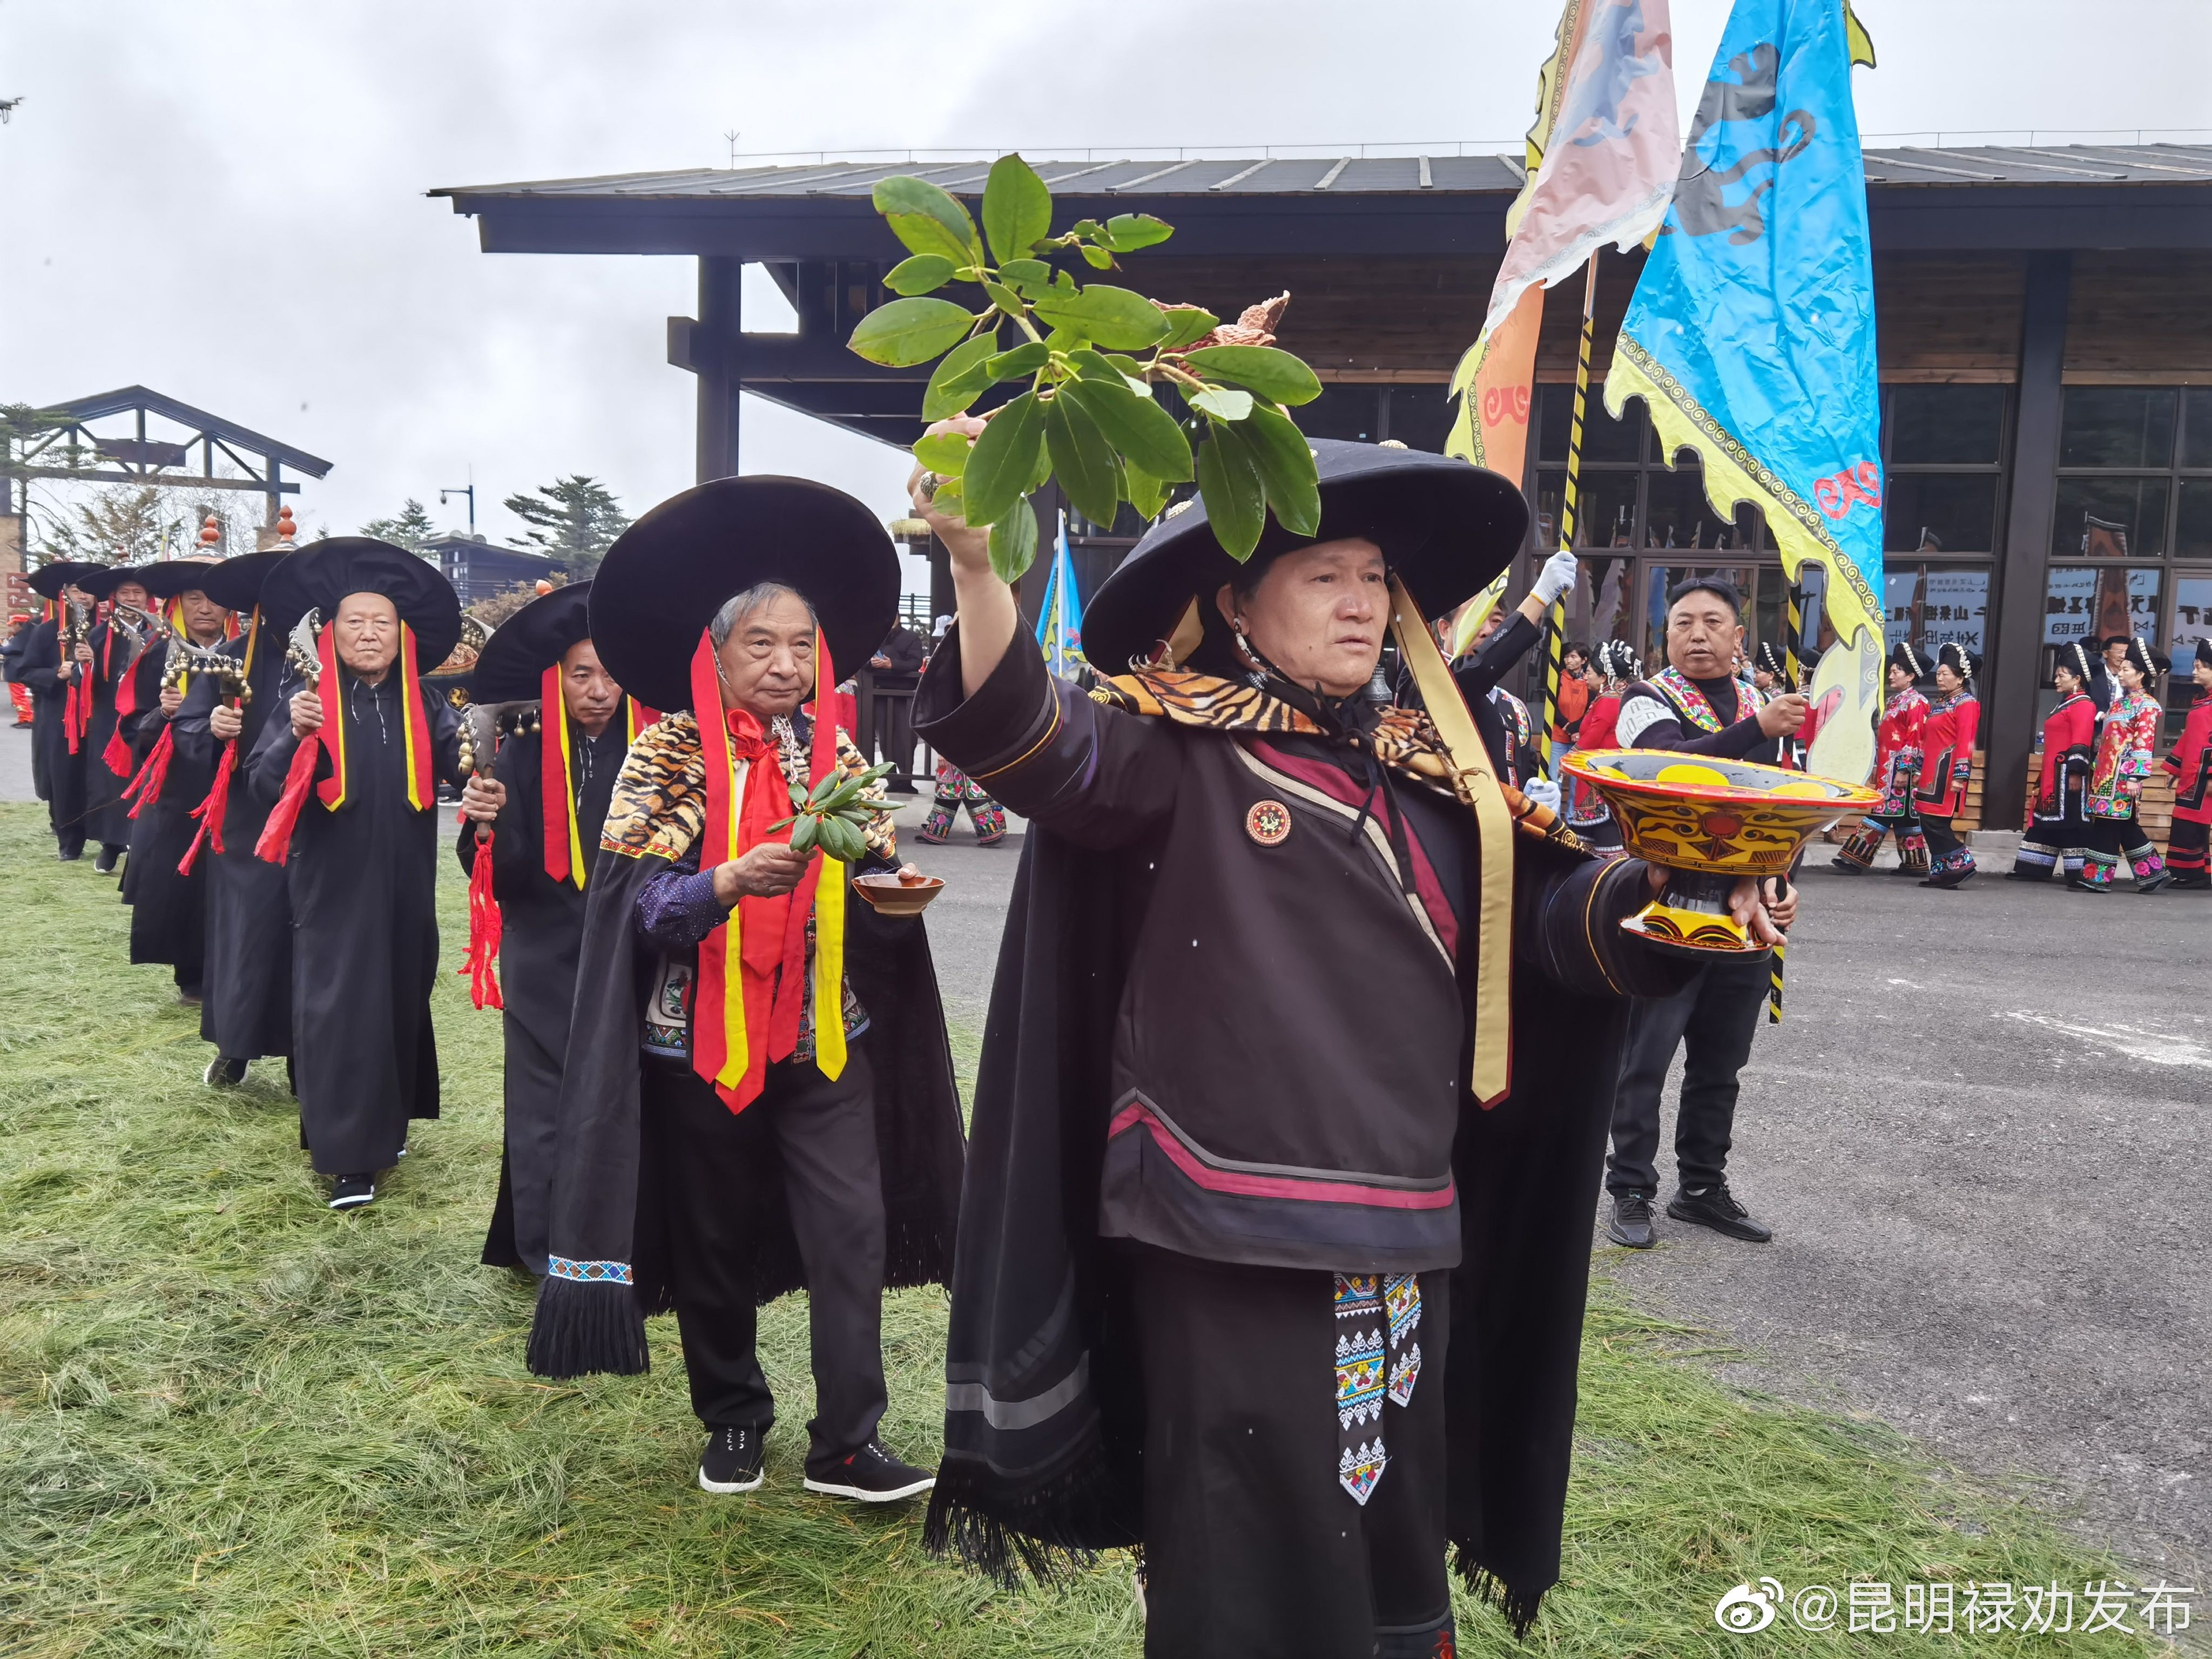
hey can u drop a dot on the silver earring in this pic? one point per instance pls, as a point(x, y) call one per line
point(1254, 673)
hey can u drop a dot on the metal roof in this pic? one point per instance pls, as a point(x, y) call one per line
point(1348, 175)
point(131, 398)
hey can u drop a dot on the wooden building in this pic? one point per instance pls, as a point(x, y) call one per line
point(2044, 318)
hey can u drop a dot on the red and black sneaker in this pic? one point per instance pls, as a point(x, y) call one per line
point(872, 1475)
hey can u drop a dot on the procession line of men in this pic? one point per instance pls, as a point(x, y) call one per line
point(1268, 1253)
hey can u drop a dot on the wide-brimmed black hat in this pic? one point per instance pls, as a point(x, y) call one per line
point(1902, 655)
point(105, 579)
point(666, 577)
point(174, 576)
point(320, 574)
point(48, 579)
point(529, 642)
point(236, 583)
point(1445, 527)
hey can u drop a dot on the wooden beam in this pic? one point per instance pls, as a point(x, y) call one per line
point(153, 480)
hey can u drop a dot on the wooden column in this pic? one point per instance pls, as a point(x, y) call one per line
point(714, 355)
point(2010, 706)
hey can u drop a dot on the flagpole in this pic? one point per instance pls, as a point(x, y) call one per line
point(1555, 620)
point(1793, 637)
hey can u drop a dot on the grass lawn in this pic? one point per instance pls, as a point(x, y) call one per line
point(233, 1422)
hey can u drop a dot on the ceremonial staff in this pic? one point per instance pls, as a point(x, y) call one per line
point(1555, 619)
point(1793, 754)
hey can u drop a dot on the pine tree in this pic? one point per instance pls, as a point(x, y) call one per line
point(120, 525)
point(573, 520)
point(410, 530)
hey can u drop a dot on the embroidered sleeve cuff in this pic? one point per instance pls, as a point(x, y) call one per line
point(1010, 719)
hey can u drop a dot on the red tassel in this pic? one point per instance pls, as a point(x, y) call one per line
point(275, 846)
point(117, 754)
point(210, 812)
point(485, 926)
point(147, 785)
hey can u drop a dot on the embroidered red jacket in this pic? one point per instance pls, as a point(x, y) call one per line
point(2069, 732)
point(1898, 743)
point(2191, 762)
point(2124, 750)
point(1947, 750)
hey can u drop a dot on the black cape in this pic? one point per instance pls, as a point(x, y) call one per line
point(57, 774)
point(246, 997)
point(541, 934)
point(169, 909)
point(606, 1218)
point(1045, 1405)
point(363, 883)
point(115, 654)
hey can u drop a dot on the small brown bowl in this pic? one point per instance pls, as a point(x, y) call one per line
point(894, 897)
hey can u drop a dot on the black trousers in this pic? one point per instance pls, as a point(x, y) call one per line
point(1713, 1018)
point(817, 1138)
point(1252, 1548)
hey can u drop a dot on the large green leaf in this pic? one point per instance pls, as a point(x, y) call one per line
point(1286, 468)
point(1016, 208)
point(909, 332)
point(944, 453)
point(905, 197)
point(1081, 459)
point(960, 378)
point(1096, 257)
point(1113, 317)
point(1025, 359)
point(1145, 492)
point(1126, 233)
point(1014, 541)
point(1236, 499)
point(1273, 374)
point(925, 273)
point(1148, 437)
point(1186, 324)
point(1023, 275)
point(924, 235)
point(1005, 299)
point(1091, 365)
point(1222, 402)
point(1005, 458)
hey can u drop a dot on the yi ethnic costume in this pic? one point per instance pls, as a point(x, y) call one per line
point(1713, 1017)
point(559, 780)
point(57, 707)
point(1586, 811)
point(1947, 767)
point(758, 1098)
point(2189, 763)
point(1508, 729)
point(246, 1006)
point(1272, 1261)
point(2057, 833)
point(956, 789)
point(352, 819)
point(2127, 749)
point(168, 905)
point(1899, 747)
point(116, 644)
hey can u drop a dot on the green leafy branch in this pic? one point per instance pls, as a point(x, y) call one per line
point(835, 816)
point(1110, 425)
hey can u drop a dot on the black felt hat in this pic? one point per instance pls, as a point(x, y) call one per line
point(236, 584)
point(529, 642)
point(1769, 657)
point(318, 576)
point(2203, 653)
point(174, 576)
point(105, 579)
point(1964, 663)
point(666, 577)
point(1902, 655)
point(48, 579)
point(2075, 659)
point(2147, 661)
point(1445, 527)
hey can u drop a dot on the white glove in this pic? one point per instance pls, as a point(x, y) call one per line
point(1557, 577)
point(1543, 791)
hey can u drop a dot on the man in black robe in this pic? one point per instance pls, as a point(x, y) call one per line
point(51, 667)
point(351, 772)
point(542, 804)
point(1695, 706)
point(116, 643)
point(1509, 730)
point(168, 905)
point(758, 1093)
point(1293, 1092)
point(246, 1007)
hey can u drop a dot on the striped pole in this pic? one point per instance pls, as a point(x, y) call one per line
point(1555, 620)
point(1794, 753)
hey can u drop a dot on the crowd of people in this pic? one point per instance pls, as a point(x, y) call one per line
point(1289, 1349)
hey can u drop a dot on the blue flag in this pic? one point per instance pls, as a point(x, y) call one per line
point(1060, 620)
point(1751, 337)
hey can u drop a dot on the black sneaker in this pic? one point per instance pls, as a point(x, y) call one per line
point(1715, 1208)
point(105, 863)
point(223, 1072)
point(733, 1461)
point(872, 1475)
point(1632, 1221)
point(69, 858)
point(352, 1191)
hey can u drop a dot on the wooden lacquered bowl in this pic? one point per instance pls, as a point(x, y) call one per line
point(894, 897)
point(1711, 821)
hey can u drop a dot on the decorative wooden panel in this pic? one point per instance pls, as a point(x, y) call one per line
point(2143, 316)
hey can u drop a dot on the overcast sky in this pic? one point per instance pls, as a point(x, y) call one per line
point(224, 201)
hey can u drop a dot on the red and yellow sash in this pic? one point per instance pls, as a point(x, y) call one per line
point(565, 858)
point(335, 791)
point(737, 1032)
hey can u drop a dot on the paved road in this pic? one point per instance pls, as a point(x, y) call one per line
point(1980, 1138)
point(15, 760)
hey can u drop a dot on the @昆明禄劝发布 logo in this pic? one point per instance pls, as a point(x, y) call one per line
point(1744, 1609)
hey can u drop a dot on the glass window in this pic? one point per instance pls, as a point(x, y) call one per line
point(2192, 619)
point(1420, 416)
point(1940, 513)
point(1343, 410)
point(1604, 438)
point(2192, 523)
point(1676, 513)
point(2091, 603)
point(2117, 426)
point(1945, 425)
point(1933, 605)
point(2196, 427)
point(2110, 518)
point(1605, 510)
